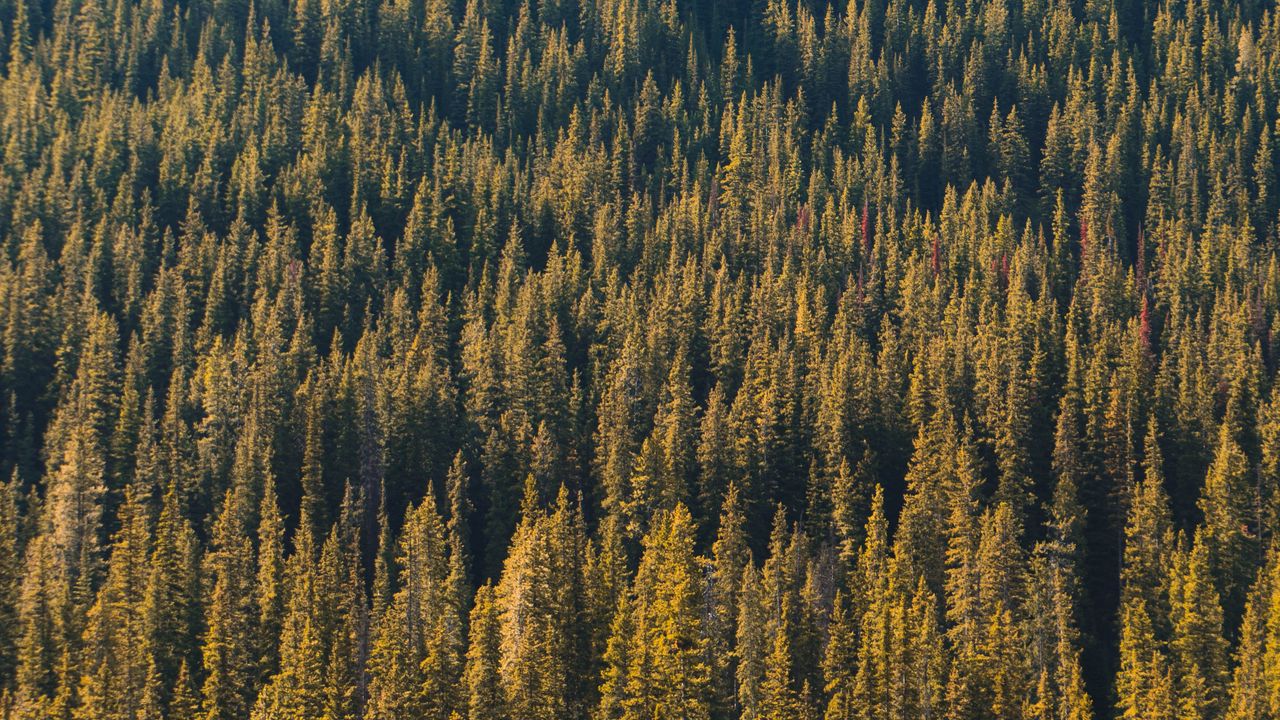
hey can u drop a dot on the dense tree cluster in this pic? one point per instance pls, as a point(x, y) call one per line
point(639, 359)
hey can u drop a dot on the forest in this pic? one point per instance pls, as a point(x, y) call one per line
point(639, 360)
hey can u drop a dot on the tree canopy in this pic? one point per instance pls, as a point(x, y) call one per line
point(637, 359)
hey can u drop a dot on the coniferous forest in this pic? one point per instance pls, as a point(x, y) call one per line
point(639, 360)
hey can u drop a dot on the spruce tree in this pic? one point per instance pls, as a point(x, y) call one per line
point(411, 668)
point(485, 699)
point(667, 673)
point(229, 651)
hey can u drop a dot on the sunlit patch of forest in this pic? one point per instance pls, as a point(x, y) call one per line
point(639, 360)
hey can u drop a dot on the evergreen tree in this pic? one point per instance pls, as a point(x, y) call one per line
point(485, 700)
point(171, 600)
point(116, 667)
point(11, 542)
point(976, 301)
point(667, 674)
point(412, 666)
point(229, 651)
point(730, 555)
point(540, 604)
point(1225, 501)
point(1197, 648)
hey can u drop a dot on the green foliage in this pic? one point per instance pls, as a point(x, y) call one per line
point(617, 359)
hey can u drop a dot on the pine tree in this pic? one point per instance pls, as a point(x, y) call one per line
point(674, 430)
point(41, 646)
point(344, 618)
point(1271, 653)
point(1248, 692)
point(540, 604)
point(667, 674)
point(1144, 573)
point(839, 662)
point(11, 551)
point(751, 644)
point(1197, 647)
point(229, 652)
point(1145, 682)
point(730, 555)
point(270, 579)
point(1226, 503)
point(185, 704)
point(116, 667)
point(1052, 614)
point(778, 699)
point(485, 699)
point(411, 669)
point(869, 578)
point(72, 556)
point(296, 688)
point(171, 599)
